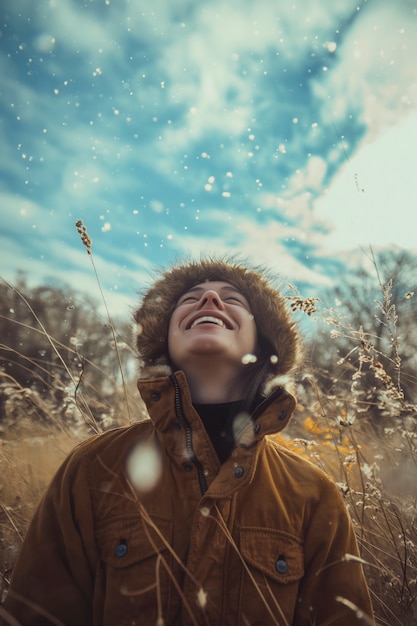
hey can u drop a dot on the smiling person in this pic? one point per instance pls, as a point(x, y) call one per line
point(196, 515)
point(210, 332)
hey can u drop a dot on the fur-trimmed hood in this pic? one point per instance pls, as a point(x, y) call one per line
point(272, 317)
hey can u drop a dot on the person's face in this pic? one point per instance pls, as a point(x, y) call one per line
point(211, 319)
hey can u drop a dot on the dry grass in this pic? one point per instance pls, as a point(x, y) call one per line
point(377, 477)
point(356, 424)
point(29, 455)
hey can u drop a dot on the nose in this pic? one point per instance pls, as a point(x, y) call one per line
point(211, 298)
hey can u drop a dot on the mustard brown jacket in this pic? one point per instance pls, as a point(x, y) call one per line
point(262, 539)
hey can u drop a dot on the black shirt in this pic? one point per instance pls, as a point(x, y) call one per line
point(218, 422)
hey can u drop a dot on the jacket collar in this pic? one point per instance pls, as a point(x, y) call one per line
point(159, 395)
point(184, 437)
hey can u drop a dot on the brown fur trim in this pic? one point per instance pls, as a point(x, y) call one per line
point(272, 317)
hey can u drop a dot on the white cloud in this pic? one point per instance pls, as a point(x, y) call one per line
point(373, 199)
point(312, 176)
point(268, 243)
point(371, 76)
point(295, 202)
point(44, 244)
point(80, 31)
point(68, 265)
point(214, 66)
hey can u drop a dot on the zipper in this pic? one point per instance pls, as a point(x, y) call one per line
point(188, 435)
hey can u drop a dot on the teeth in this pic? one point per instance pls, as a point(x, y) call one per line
point(207, 318)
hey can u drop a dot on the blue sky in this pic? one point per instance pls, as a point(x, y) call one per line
point(285, 131)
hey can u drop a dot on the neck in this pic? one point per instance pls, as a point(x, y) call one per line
point(213, 385)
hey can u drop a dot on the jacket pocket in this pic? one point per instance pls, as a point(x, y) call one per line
point(135, 559)
point(275, 567)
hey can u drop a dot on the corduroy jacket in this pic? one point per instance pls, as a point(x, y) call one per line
point(262, 539)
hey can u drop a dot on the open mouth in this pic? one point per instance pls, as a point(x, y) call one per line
point(208, 319)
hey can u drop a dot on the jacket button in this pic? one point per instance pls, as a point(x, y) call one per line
point(281, 565)
point(156, 396)
point(239, 471)
point(121, 550)
point(282, 415)
point(187, 467)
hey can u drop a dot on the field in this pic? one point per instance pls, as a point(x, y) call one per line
point(61, 381)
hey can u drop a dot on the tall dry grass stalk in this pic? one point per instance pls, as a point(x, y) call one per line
point(87, 242)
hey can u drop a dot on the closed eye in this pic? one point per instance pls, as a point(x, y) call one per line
point(234, 300)
point(188, 299)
